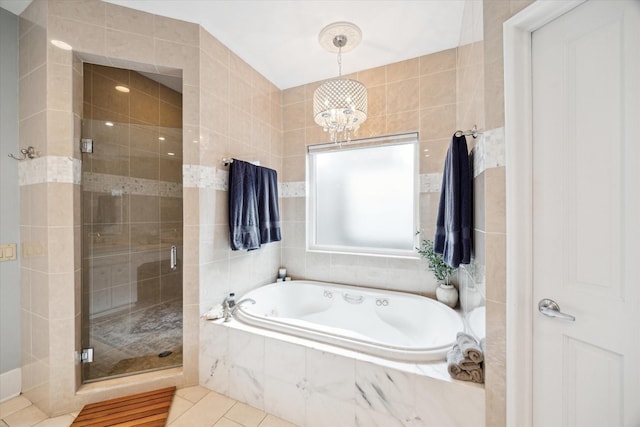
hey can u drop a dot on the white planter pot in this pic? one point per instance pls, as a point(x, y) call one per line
point(447, 294)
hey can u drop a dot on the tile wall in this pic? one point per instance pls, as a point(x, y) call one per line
point(417, 95)
point(229, 110)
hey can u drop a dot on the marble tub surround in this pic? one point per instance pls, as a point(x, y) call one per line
point(314, 384)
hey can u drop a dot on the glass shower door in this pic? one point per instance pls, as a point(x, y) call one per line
point(132, 224)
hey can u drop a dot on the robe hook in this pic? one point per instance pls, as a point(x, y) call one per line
point(27, 153)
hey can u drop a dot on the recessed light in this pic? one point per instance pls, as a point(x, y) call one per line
point(161, 138)
point(108, 124)
point(121, 88)
point(60, 44)
point(171, 154)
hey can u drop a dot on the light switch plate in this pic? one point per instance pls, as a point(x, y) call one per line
point(8, 252)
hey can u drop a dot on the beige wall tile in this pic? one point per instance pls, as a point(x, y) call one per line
point(93, 12)
point(239, 68)
point(39, 294)
point(437, 62)
point(62, 255)
point(32, 92)
point(60, 124)
point(40, 337)
point(495, 364)
point(82, 36)
point(438, 89)
point(294, 116)
point(479, 200)
point(294, 95)
point(495, 200)
point(376, 101)
point(38, 204)
point(180, 56)
point(176, 30)
point(403, 70)
point(33, 49)
point(401, 96)
point(240, 93)
point(59, 197)
point(377, 76)
point(129, 46)
point(496, 267)
point(437, 122)
point(213, 47)
point(432, 154)
point(33, 130)
point(403, 122)
point(129, 20)
point(374, 126)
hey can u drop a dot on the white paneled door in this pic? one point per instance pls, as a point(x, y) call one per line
point(586, 217)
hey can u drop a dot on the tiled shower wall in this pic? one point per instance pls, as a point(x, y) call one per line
point(229, 110)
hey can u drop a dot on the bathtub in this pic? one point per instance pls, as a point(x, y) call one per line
point(387, 324)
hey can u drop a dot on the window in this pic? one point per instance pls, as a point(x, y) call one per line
point(363, 196)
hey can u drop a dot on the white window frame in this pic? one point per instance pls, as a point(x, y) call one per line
point(387, 140)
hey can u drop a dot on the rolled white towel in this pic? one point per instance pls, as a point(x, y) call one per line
point(470, 347)
point(214, 313)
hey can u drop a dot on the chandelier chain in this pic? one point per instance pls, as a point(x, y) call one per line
point(340, 61)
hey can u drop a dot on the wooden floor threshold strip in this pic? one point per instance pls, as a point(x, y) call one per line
point(150, 409)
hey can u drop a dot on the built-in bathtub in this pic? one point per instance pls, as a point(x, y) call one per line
point(319, 384)
point(387, 324)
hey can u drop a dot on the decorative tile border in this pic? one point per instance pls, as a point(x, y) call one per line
point(104, 183)
point(49, 169)
point(430, 182)
point(489, 151)
point(292, 189)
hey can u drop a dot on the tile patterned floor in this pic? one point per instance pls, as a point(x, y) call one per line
point(191, 407)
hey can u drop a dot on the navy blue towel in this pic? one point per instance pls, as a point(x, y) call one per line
point(268, 212)
point(455, 213)
point(244, 231)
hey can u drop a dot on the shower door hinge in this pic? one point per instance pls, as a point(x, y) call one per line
point(86, 145)
point(86, 356)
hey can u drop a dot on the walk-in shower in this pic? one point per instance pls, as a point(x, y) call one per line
point(132, 223)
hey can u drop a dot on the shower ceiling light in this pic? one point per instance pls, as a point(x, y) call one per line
point(121, 88)
point(61, 45)
point(339, 104)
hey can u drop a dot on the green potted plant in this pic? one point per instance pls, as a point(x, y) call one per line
point(445, 292)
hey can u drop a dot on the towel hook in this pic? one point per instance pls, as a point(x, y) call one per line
point(474, 132)
point(27, 153)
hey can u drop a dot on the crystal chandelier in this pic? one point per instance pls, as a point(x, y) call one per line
point(340, 105)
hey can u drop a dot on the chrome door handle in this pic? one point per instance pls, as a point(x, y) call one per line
point(173, 258)
point(550, 308)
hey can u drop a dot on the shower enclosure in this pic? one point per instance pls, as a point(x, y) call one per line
point(132, 223)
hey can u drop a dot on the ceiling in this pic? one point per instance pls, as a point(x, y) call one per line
point(279, 38)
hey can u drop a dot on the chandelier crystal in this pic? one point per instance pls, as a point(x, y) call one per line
point(340, 104)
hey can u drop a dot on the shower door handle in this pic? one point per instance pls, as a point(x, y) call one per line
point(173, 258)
